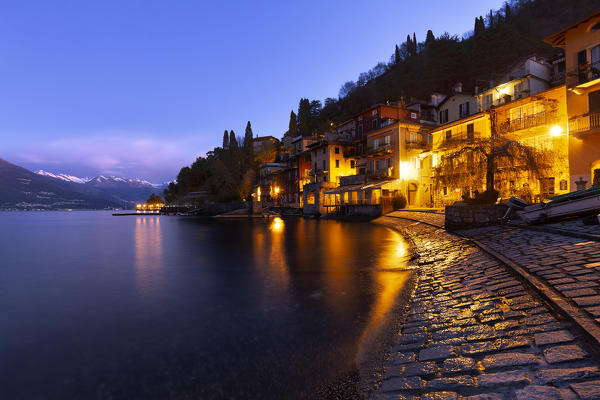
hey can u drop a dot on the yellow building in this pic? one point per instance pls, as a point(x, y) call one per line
point(540, 123)
point(581, 43)
point(465, 177)
point(397, 152)
point(327, 159)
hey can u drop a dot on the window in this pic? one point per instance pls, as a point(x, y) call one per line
point(324, 165)
point(324, 150)
point(448, 135)
point(387, 139)
point(413, 137)
point(337, 150)
point(337, 163)
point(360, 130)
point(463, 109)
point(595, 28)
point(315, 166)
point(563, 185)
point(375, 144)
point(443, 116)
point(413, 115)
point(470, 131)
point(547, 187)
point(351, 163)
point(594, 102)
point(374, 124)
point(445, 190)
point(487, 101)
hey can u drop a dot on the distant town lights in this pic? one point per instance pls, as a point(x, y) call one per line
point(556, 130)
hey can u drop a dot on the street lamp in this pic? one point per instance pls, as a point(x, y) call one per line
point(556, 130)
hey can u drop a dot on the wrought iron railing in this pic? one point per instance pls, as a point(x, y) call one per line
point(585, 73)
point(383, 148)
point(584, 123)
point(528, 121)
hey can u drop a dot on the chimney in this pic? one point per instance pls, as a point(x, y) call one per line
point(457, 88)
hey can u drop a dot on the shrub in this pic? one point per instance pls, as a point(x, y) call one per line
point(399, 201)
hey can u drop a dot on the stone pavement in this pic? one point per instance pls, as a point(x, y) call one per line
point(474, 331)
point(569, 265)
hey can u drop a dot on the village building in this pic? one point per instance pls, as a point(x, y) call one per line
point(457, 105)
point(581, 44)
point(525, 78)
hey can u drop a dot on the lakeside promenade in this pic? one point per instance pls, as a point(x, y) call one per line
point(478, 329)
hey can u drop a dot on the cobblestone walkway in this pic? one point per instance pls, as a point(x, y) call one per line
point(474, 332)
point(569, 265)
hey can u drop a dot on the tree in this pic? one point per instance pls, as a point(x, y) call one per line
point(430, 38)
point(226, 139)
point(397, 58)
point(506, 12)
point(497, 156)
point(346, 89)
point(233, 144)
point(293, 125)
point(479, 26)
point(304, 117)
point(155, 199)
point(248, 136)
point(415, 47)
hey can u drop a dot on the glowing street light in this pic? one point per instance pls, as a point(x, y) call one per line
point(556, 130)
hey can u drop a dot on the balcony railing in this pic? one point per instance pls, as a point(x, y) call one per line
point(584, 123)
point(416, 144)
point(528, 121)
point(584, 73)
point(381, 149)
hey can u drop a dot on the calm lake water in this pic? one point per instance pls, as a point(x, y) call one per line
point(96, 306)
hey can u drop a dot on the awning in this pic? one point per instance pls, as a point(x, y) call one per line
point(345, 188)
point(388, 185)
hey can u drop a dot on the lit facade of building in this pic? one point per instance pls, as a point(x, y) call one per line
point(581, 43)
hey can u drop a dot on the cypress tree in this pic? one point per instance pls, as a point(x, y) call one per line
point(397, 55)
point(226, 139)
point(304, 117)
point(248, 139)
point(409, 45)
point(293, 126)
point(506, 12)
point(415, 48)
point(233, 144)
point(430, 38)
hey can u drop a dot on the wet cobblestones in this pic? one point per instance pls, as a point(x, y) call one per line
point(474, 332)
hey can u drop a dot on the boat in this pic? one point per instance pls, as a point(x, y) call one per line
point(572, 204)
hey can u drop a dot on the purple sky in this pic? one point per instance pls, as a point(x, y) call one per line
point(140, 88)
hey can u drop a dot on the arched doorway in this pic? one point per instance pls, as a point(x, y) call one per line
point(412, 193)
point(596, 173)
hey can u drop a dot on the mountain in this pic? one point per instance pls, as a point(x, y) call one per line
point(23, 189)
point(124, 191)
point(64, 177)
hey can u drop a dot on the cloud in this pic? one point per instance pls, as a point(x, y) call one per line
point(113, 153)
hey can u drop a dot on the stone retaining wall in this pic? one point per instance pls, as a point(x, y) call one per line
point(473, 216)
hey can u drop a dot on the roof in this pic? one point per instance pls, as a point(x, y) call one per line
point(263, 138)
point(558, 39)
point(454, 94)
point(460, 121)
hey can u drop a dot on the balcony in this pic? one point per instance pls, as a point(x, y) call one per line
point(584, 75)
point(584, 123)
point(381, 149)
point(528, 121)
point(416, 144)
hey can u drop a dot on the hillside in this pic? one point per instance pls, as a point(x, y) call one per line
point(23, 189)
point(419, 68)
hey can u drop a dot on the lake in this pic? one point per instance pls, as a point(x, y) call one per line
point(156, 307)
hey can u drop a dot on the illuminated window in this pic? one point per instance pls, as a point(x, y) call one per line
point(337, 163)
point(563, 185)
point(445, 191)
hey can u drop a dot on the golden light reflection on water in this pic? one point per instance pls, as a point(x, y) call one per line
point(390, 279)
point(270, 257)
point(148, 253)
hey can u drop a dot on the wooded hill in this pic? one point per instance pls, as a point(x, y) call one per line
point(419, 68)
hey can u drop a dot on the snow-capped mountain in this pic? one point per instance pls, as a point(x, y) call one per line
point(64, 177)
point(125, 191)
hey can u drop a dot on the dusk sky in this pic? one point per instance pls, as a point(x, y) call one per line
point(141, 88)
